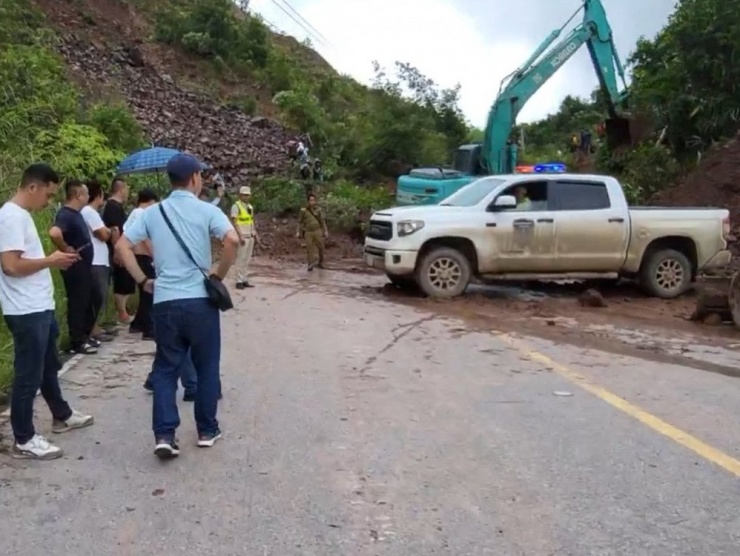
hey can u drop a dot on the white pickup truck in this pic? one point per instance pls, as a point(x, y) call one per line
point(545, 227)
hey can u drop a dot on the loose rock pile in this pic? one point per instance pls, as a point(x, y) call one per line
point(239, 146)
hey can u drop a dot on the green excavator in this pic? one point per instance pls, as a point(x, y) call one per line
point(498, 154)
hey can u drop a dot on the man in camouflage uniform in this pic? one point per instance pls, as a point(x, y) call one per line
point(312, 227)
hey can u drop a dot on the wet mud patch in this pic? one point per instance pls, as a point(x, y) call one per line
point(624, 322)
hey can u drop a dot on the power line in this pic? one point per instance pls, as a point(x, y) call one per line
point(292, 9)
point(301, 25)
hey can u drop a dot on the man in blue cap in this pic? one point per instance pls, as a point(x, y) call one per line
point(184, 318)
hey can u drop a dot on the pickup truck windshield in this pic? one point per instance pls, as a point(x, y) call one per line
point(472, 194)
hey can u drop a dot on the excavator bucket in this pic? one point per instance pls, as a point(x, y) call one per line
point(618, 132)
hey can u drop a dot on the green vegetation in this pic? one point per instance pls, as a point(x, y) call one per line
point(359, 132)
point(347, 207)
point(43, 117)
point(685, 87)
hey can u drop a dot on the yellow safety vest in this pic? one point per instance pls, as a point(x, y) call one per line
point(245, 216)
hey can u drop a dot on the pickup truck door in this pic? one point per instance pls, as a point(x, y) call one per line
point(520, 240)
point(591, 227)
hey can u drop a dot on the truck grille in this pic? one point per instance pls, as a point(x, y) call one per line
point(380, 230)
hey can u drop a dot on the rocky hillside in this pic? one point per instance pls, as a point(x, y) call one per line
point(240, 146)
point(107, 46)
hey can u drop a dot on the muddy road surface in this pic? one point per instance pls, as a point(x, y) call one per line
point(362, 421)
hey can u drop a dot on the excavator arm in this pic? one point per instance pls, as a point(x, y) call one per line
point(499, 155)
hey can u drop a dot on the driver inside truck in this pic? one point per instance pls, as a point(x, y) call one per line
point(522, 198)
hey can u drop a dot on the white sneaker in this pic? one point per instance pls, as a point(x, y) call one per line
point(76, 421)
point(36, 448)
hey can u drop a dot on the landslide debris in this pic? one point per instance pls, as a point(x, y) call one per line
point(239, 146)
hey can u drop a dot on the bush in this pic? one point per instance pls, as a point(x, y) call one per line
point(77, 151)
point(346, 205)
point(212, 28)
point(644, 170)
point(42, 118)
point(118, 125)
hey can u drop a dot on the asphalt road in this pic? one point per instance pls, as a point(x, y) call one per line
point(361, 427)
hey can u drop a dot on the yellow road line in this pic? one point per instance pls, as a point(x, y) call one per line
point(726, 462)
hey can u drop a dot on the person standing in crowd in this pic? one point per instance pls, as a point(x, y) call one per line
point(303, 160)
point(101, 260)
point(312, 227)
point(143, 251)
point(242, 216)
point(143, 317)
point(70, 234)
point(114, 217)
point(221, 200)
point(184, 318)
point(27, 303)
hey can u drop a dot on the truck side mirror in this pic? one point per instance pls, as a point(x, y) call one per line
point(502, 202)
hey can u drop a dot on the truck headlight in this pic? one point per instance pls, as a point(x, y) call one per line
point(408, 227)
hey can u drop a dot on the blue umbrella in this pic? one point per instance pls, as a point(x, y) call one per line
point(149, 160)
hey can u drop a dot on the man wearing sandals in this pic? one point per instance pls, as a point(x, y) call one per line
point(27, 302)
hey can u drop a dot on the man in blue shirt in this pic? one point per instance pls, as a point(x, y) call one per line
point(184, 318)
point(71, 234)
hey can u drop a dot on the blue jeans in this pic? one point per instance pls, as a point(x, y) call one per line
point(36, 365)
point(188, 378)
point(182, 326)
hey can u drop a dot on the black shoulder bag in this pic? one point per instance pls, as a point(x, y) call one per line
point(217, 292)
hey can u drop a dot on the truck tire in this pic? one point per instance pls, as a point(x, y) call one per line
point(443, 273)
point(734, 299)
point(666, 273)
point(403, 282)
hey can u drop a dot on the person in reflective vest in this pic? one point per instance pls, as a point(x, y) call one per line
point(242, 216)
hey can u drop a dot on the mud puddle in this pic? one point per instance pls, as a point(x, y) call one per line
point(630, 323)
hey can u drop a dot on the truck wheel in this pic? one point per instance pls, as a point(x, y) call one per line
point(443, 273)
point(403, 282)
point(666, 273)
point(734, 299)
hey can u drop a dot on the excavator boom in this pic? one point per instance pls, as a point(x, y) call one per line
point(499, 154)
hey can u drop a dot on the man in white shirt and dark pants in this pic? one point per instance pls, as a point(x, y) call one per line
point(100, 235)
point(27, 302)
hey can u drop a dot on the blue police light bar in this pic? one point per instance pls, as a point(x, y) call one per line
point(546, 168)
point(550, 168)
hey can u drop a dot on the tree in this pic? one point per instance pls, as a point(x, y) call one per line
point(688, 75)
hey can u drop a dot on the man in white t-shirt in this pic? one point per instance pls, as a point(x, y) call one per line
point(100, 235)
point(27, 302)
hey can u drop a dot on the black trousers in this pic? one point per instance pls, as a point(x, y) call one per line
point(78, 283)
point(143, 318)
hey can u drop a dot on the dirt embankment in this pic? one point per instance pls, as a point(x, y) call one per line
point(278, 241)
point(714, 183)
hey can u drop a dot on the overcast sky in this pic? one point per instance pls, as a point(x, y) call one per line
point(473, 42)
